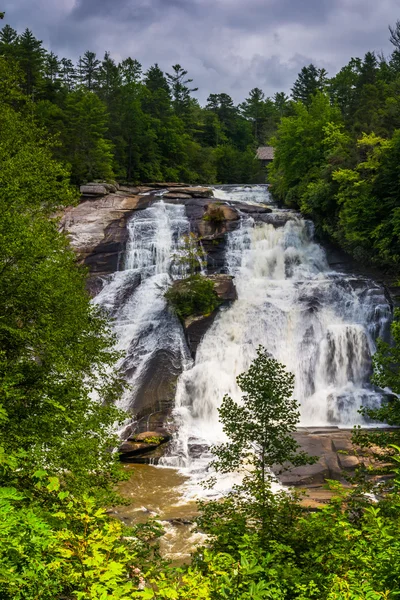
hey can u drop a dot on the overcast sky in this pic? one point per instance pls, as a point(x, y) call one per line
point(226, 45)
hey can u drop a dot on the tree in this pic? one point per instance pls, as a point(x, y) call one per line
point(88, 68)
point(395, 35)
point(281, 101)
point(8, 41)
point(299, 149)
point(309, 81)
point(87, 149)
point(131, 71)
point(30, 55)
point(180, 91)
point(253, 109)
point(68, 73)
point(259, 431)
point(51, 66)
point(109, 79)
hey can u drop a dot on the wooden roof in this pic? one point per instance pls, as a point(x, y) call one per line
point(265, 153)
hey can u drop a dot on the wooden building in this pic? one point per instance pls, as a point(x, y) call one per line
point(265, 155)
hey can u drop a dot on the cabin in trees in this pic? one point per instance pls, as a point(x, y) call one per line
point(265, 155)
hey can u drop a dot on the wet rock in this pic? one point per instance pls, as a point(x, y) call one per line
point(176, 196)
point(218, 213)
point(253, 209)
point(224, 287)
point(155, 392)
point(161, 435)
point(97, 231)
point(129, 449)
point(195, 328)
point(194, 192)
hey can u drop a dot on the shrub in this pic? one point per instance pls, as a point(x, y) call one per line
point(193, 296)
point(215, 215)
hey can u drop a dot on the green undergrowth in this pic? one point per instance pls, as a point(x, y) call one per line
point(193, 296)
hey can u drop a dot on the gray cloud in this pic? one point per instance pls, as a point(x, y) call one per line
point(226, 45)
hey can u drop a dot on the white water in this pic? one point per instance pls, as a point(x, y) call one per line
point(135, 296)
point(321, 324)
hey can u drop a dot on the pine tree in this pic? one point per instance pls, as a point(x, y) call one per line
point(51, 67)
point(179, 90)
point(253, 109)
point(108, 79)
point(68, 73)
point(309, 81)
point(8, 42)
point(131, 71)
point(87, 149)
point(88, 68)
point(30, 55)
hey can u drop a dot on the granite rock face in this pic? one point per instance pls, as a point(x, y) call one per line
point(195, 327)
point(97, 230)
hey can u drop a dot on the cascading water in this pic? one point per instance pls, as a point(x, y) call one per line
point(146, 330)
point(321, 324)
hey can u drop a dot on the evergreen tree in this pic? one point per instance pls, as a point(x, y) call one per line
point(68, 73)
point(51, 67)
point(309, 81)
point(30, 54)
point(131, 71)
point(253, 109)
point(87, 149)
point(8, 42)
point(88, 68)
point(180, 91)
point(109, 79)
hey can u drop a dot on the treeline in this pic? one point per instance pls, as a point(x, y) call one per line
point(116, 121)
point(337, 156)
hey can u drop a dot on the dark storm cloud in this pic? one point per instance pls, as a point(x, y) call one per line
point(226, 45)
point(138, 11)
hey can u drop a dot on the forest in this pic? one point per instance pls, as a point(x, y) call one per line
point(336, 141)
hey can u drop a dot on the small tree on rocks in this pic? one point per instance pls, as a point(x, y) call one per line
point(260, 430)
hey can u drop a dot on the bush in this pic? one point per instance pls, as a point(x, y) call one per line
point(215, 215)
point(193, 296)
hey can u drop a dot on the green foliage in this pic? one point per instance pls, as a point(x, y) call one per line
point(215, 215)
point(193, 296)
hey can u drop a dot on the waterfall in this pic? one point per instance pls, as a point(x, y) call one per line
point(146, 330)
point(321, 324)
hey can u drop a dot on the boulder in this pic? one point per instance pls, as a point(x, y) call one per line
point(194, 192)
point(176, 196)
point(136, 448)
point(306, 475)
point(348, 463)
point(94, 189)
point(195, 327)
point(253, 209)
point(224, 287)
point(220, 213)
point(162, 435)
